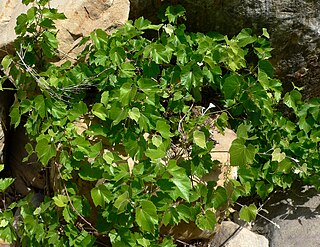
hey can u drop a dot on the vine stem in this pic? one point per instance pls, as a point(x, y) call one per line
point(69, 199)
point(297, 162)
point(273, 223)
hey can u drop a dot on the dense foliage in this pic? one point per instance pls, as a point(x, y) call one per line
point(119, 122)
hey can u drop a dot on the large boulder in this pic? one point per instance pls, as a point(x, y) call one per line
point(293, 217)
point(294, 27)
point(229, 234)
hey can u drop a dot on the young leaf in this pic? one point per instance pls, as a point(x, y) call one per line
point(146, 216)
point(248, 213)
point(40, 105)
point(206, 221)
point(134, 114)
point(277, 155)
point(99, 110)
point(164, 129)
point(231, 86)
point(6, 61)
point(5, 183)
point(199, 138)
point(101, 195)
point(121, 202)
point(240, 154)
point(60, 200)
point(45, 150)
point(285, 166)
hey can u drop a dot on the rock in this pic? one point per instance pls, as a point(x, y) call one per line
point(229, 234)
point(83, 16)
point(294, 27)
point(4, 243)
point(6, 99)
point(222, 172)
point(297, 213)
point(29, 175)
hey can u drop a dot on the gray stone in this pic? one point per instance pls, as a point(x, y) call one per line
point(230, 234)
point(294, 26)
point(297, 213)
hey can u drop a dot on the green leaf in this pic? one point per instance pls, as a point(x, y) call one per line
point(293, 99)
point(40, 105)
point(77, 110)
point(53, 14)
point(26, 2)
point(121, 202)
point(127, 93)
point(127, 70)
point(108, 157)
point(266, 66)
point(1, 167)
point(101, 195)
point(220, 197)
point(158, 53)
point(240, 154)
point(263, 189)
point(45, 150)
point(6, 61)
point(5, 183)
point(88, 172)
point(99, 37)
point(143, 24)
point(155, 153)
point(181, 181)
point(21, 24)
point(3, 223)
point(61, 201)
point(245, 38)
point(99, 110)
point(15, 117)
point(206, 221)
point(134, 114)
point(148, 86)
point(231, 86)
point(174, 12)
point(164, 129)
point(146, 216)
point(156, 140)
point(117, 55)
point(265, 33)
point(285, 166)
point(105, 98)
point(191, 76)
point(248, 213)
point(199, 138)
point(277, 155)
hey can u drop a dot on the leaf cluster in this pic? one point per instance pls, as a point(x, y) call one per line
point(125, 128)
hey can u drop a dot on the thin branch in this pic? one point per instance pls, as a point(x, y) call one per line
point(69, 199)
point(181, 120)
point(273, 223)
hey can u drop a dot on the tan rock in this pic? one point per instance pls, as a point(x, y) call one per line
point(230, 234)
point(83, 17)
point(220, 153)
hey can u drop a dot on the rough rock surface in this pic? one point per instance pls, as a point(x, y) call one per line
point(230, 234)
point(297, 213)
point(83, 16)
point(294, 26)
